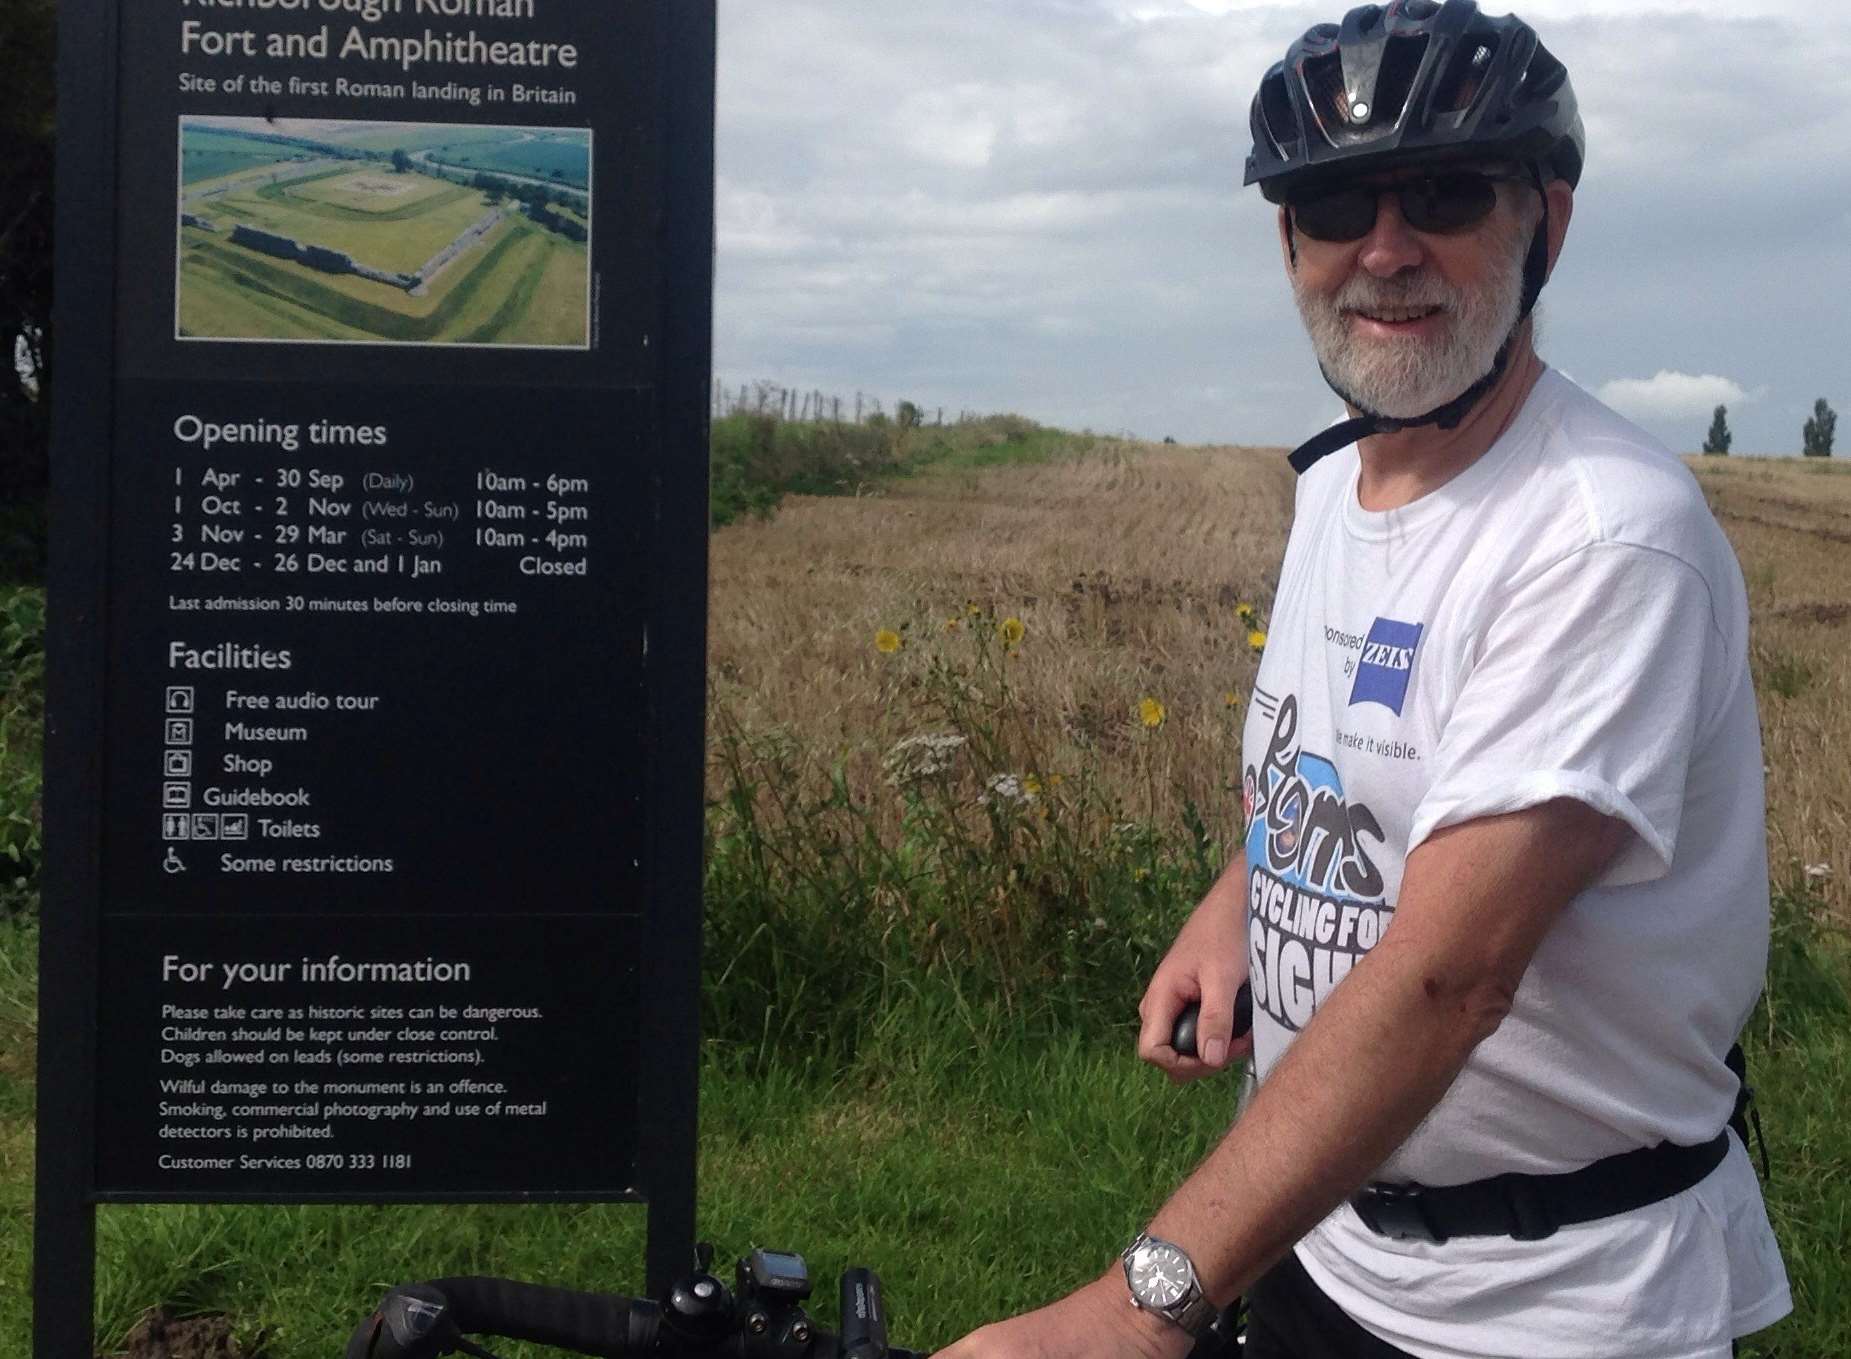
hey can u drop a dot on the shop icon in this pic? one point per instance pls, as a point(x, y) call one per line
point(177, 764)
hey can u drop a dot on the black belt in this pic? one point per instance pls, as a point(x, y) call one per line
point(1531, 1207)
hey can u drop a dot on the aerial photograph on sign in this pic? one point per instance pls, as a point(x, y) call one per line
point(373, 232)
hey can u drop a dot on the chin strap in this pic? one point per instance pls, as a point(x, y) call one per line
point(1449, 415)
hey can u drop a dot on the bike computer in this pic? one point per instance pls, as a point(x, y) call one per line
point(779, 1274)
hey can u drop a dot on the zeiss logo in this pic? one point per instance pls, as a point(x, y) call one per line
point(1386, 663)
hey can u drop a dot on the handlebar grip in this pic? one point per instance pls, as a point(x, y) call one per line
point(603, 1324)
point(1182, 1038)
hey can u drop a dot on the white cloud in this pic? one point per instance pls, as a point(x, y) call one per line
point(1668, 394)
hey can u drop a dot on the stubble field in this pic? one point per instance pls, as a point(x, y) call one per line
point(1126, 568)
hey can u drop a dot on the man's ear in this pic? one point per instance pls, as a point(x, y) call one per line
point(1287, 245)
point(1561, 197)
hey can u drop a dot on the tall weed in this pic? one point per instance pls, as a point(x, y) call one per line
point(974, 865)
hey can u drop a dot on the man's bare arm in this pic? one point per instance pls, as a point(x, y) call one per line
point(1476, 901)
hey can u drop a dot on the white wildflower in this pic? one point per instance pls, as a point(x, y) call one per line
point(1818, 872)
point(1006, 788)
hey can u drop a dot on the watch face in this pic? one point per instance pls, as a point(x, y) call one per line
point(1160, 1275)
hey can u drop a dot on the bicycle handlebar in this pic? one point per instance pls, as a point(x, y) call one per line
point(699, 1317)
point(761, 1319)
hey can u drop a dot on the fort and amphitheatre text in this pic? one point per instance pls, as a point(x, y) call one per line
point(432, 47)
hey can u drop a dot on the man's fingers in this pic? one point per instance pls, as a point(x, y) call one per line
point(1159, 1013)
point(1215, 1028)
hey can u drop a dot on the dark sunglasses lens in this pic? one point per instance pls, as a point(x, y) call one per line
point(1448, 202)
point(1341, 215)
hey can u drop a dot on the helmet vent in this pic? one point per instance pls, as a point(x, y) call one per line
point(1276, 111)
point(1463, 82)
point(1400, 65)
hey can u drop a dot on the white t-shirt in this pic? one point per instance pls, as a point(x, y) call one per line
point(1563, 619)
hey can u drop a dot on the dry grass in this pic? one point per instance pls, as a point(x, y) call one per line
point(1790, 521)
point(1126, 564)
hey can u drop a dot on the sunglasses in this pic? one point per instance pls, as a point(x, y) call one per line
point(1442, 203)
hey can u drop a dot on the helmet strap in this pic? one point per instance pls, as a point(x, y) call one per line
point(1449, 415)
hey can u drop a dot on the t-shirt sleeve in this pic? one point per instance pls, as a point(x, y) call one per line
point(1585, 682)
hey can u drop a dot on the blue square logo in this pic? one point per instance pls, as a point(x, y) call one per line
point(1386, 663)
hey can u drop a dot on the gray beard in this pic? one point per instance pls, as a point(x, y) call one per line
point(1403, 379)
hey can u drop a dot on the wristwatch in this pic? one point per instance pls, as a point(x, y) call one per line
point(1162, 1280)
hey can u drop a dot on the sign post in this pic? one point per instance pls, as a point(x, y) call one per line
point(378, 611)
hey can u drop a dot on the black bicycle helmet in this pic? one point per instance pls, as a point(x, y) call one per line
point(1411, 83)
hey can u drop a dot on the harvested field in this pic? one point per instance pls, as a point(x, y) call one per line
point(1126, 566)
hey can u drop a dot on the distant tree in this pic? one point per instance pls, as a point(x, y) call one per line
point(1719, 438)
point(909, 416)
point(400, 161)
point(1818, 431)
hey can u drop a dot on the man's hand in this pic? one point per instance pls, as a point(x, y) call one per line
point(1097, 1321)
point(1208, 962)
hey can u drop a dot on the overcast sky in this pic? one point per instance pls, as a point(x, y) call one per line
point(1035, 205)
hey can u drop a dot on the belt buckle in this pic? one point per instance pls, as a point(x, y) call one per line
point(1397, 1211)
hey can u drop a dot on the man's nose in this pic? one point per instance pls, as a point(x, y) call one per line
point(1391, 245)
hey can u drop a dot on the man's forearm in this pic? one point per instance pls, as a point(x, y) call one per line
point(1311, 1138)
point(1387, 1042)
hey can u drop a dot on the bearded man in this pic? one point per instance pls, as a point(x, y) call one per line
point(1502, 901)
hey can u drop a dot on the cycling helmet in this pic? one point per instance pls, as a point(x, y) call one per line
point(1411, 83)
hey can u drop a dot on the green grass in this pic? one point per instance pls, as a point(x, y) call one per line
point(758, 459)
point(957, 1136)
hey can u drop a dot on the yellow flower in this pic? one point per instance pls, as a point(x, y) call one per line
point(953, 624)
point(1230, 699)
point(886, 641)
point(1011, 631)
point(1257, 640)
point(1151, 713)
point(1031, 785)
point(1245, 612)
point(971, 608)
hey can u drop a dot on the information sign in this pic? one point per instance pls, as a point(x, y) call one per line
point(378, 603)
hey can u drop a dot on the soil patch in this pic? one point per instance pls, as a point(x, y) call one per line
point(159, 1335)
point(1816, 613)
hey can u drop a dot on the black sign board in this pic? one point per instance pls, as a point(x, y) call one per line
point(378, 609)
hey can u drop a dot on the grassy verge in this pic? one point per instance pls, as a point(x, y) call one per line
point(758, 459)
point(957, 1137)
